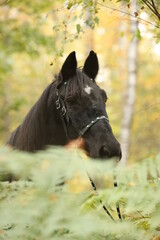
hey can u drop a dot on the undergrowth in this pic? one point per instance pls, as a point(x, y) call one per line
point(52, 197)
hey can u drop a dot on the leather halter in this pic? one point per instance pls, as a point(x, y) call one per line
point(85, 129)
point(65, 118)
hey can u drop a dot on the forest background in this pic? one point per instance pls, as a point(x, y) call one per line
point(36, 37)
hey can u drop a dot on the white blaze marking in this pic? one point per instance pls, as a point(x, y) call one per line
point(87, 89)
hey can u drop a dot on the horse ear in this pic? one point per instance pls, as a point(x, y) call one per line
point(69, 66)
point(91, 65)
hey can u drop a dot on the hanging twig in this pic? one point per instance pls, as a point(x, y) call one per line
point(151, 5)
point(129, 14)
point(156, 10)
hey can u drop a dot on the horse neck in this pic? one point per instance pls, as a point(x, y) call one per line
point(41, 126)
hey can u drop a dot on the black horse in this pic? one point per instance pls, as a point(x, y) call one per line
point(72, 106)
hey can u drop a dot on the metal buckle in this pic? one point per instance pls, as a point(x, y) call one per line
point(64, 111)
point(58, 104)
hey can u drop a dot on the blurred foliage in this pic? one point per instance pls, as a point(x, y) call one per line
point(53, 198)
point(23, 38)
point(20, 37)
point(44, 208)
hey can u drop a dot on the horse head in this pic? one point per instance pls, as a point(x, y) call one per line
point(85, 107)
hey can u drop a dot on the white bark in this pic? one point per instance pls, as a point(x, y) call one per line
point(131, 88)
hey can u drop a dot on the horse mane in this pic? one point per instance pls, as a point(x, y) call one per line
point(31, 134)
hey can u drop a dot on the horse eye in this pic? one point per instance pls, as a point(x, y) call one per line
point(72, 99)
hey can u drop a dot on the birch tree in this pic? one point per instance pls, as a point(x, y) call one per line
point(130, 95)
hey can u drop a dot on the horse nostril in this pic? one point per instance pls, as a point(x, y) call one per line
point(103, 152)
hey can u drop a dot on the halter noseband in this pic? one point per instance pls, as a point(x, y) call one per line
point(85, 129)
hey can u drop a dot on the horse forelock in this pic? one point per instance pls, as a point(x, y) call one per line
point(75, 85)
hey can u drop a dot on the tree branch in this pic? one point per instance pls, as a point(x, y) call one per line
point(129, 14)
point(155, 8)
point(151, 5)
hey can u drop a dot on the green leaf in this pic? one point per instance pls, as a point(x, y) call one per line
point(96, 19)
point(78, 26)
point(138, 34)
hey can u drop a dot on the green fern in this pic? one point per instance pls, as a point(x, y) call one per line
point(40, 205)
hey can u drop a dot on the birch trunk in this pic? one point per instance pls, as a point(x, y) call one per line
point(131, 88)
